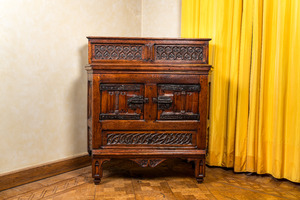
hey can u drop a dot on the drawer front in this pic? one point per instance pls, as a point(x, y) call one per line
point(122, 101)
point(149, 138)
point(118, 52)
point(161, 53)
point(148, 50)
point(178, 102)
point(180, 53)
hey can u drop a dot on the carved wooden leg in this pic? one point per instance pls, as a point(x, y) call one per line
point(97, 169)
point(199, 180)
point(199, 169)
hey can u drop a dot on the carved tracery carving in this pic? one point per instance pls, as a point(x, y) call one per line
point(149, 138)
point(178, 52)
point(118, 52)
point(148, 162)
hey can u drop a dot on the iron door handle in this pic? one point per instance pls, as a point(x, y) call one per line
point(136, 102)
point(164, 102)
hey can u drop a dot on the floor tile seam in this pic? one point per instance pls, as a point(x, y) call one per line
point(291, 194)
point(60, 181)
point(208, 190)
point(35, 190)
point(63, 191)
point(23, 193)
point(133, 188)
point(254, 190)
point(95, 188)
point(170, 189)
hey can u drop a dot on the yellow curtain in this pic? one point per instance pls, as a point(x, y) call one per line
point(255, 95)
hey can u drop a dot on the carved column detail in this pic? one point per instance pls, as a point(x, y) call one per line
point(199, 168)
point(97, 169)
point(90, 140)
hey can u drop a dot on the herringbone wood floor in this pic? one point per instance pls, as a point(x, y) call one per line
point(173, 179)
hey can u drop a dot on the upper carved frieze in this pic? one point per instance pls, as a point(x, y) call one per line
point(118, 52)
point(178, 52)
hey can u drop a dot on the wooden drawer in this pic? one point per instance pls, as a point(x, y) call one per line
point(149, 139)
point(118, 52)
point(180, 53)
point(147, 50)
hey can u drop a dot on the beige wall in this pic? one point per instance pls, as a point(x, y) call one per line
point(161, 18)
point(43, 82)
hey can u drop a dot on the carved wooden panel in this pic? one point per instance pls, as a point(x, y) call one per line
point(178, 52)
point(190, 88)
point(147, 50)
point(149, 138)
point(122, 101)
point(120, 87)
point(118, 52)
point(182, 104)
point(148, 162)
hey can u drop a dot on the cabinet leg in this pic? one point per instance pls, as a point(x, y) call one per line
point(97, 181)
point(97, 169)
point(199, 169)
point(199, 180)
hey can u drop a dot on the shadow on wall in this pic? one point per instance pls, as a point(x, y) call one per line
point(79, 106)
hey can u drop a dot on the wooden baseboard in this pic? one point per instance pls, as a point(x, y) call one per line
point(28, 175)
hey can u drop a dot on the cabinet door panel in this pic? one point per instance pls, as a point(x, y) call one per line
point(122, 101)
point(178, 102)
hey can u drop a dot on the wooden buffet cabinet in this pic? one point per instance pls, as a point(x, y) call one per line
point(147, 101)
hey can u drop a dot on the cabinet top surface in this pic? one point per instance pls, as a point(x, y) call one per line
point(145, 38)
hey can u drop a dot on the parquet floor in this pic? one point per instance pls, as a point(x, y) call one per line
point(173, 179)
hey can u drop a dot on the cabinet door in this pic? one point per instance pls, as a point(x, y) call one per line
point(178, 102)
point(122, 101)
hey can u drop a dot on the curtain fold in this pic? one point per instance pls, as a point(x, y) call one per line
point(255, 94)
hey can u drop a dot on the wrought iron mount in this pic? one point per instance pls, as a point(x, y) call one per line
point(136, 102)
point(164, 102)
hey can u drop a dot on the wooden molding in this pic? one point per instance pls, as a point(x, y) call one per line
point(46, 170)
